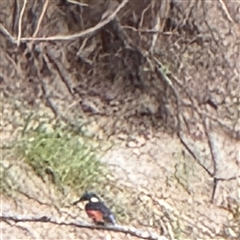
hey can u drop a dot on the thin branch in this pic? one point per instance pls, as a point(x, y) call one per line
point(150, 31)
point(61, 71)
point(143, 13)
point(115, 228)
point(20, 22)
point(7, 34)
point(41, 18)
point(84, 33)
point(210, 145)
point(188, 12)
point(15, 16)
point(78, 3)
point(155, 36)
point(225, 10)
point(215, 182)
point(142, 18)
point(48, 100)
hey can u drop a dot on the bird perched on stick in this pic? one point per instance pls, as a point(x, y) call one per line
point(96, 209)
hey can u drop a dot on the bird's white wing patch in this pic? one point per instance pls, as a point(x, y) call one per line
point(94, 199)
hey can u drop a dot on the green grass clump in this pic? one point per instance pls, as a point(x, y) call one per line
point(66, 158)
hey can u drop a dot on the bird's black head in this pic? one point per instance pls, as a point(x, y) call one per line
point(89, 196)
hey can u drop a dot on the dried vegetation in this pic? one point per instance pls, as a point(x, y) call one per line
point(114, 68)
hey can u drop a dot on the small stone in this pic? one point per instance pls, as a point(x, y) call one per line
point(114, 103)
point(132, 144)
point(137, 152)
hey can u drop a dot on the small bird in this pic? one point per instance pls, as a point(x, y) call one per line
point(96, 209)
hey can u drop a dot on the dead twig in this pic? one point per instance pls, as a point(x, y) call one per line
point(41, 18)
point(20, 22)
point(15, 16)
point(142, 17)
point(7, 34)
point(215, 182)
point(143, 13)
point(210, 144)
point(78, 3)
point(48, 100)
point(116, 228)
point(150, 31)
point(225, 10)
point(84, 33)
point(59, 70)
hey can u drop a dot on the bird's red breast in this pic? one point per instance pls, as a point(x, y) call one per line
point(96, 215)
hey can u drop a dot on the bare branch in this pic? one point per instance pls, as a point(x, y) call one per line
point(116, 228)
point(84, 33)
point(155, 36)
point(7, 34)
point(20, 22)
point(78, 3)
point(225, 10)
point(150, 31)
point(41, 18)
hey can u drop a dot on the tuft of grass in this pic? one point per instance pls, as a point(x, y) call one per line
point(6, 183)
point(63, 157)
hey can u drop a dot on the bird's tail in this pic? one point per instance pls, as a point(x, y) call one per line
point(112, 219)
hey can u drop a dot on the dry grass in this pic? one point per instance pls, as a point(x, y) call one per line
point(124, 69)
